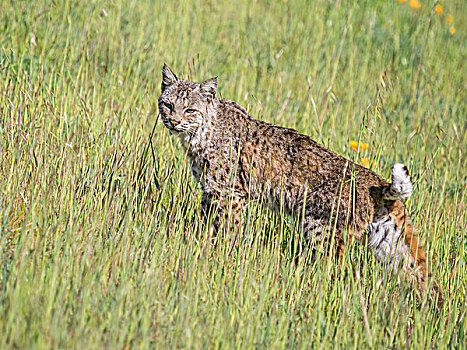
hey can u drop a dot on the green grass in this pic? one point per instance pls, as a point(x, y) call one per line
point(101, 243)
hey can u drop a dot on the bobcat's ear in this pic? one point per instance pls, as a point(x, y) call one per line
point(168, 77)
point(210, 87)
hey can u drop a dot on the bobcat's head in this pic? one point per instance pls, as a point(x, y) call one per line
point(184, 105)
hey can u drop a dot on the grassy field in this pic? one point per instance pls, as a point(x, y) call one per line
point(101, 242)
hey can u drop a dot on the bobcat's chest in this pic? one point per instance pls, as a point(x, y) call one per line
point(199, 162)
point(196, 149)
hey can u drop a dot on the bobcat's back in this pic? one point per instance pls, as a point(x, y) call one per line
point(289, 169)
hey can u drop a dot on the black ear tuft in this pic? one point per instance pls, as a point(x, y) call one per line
point(168, 77)
point(209, 87)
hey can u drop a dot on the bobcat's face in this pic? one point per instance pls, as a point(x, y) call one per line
point(183, 105)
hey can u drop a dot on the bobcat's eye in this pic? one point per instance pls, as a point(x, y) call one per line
point(190, 111)
point(169, 106)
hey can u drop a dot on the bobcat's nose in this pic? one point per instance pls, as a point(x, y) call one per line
point(174, 122)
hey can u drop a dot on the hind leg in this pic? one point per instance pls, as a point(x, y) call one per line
point(422, 272)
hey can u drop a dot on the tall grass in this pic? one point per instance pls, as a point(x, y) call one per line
point(101, 240)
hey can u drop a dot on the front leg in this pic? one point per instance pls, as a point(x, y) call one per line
point(221, 208)
point(210, 211)
point(320, 236)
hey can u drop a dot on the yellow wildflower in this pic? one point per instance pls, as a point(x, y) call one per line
point(452, 30)
point(449, 18)
point(365, 162)
point(401, 0)
point(362, 146)
point(438, 9)
point(415, 4)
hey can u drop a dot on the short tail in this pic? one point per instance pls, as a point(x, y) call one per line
point(401, 186)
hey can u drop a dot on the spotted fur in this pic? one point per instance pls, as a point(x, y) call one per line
point(236, 157)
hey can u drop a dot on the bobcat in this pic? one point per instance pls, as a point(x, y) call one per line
point(236, 157)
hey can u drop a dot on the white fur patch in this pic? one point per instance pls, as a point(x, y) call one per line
point(384, 239)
